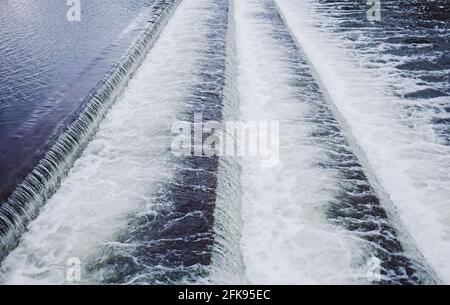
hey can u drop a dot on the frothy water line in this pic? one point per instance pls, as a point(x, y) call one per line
point(352, 183)
point(130, 210)
point(326, 154)
point(286, 237)
point(227, 265)
point(190, 237)
point(25, 202)
point(399, 159)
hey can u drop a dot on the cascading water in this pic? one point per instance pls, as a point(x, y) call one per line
point(24, 203)
point(227, 266)
point(314, 153)
point(346, 203)
point(50, 66)
point(177, 243)
point(411, 165)
point(161, 228)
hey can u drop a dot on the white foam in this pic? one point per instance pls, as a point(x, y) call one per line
point(118, 172)
point(286, 237)
point(410, 164)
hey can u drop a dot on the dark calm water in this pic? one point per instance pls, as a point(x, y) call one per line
point(49, 65)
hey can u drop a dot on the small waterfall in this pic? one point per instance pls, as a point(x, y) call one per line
point(227, 266)
point(189, 230)
point(319, 217)
point(24, 203)
point(361, 206)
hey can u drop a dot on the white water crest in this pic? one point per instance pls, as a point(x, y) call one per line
point(411, 164)
point(226, 220)
point(121, 168)
point(286, 238)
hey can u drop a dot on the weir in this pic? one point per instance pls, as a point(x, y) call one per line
point(358, 205)
point(131, 212)
point(349, 201)
point(24, 203)
point(400, 148)
point(193, 215)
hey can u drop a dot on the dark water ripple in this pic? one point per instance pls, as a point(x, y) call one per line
point(48, 66)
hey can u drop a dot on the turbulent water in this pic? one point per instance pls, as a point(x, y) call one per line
point(365, 82)
point(30, 194)
point(361, 190)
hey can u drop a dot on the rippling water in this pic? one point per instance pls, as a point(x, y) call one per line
point(49, 65)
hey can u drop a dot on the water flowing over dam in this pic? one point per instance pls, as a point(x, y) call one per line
point(21, 205)
point(359, 192)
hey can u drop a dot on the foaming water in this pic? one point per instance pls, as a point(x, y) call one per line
point(134, 213)
point(286, 238)
point(410, 46)
point(227, 266)
point(129, 210)
point(187, 234)
point(120, 171)
point(410, 163)
point(184, 224)
point(320, 187)
point(32, 193)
